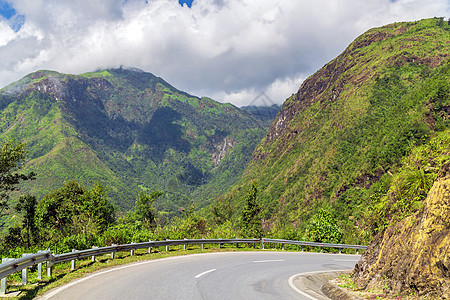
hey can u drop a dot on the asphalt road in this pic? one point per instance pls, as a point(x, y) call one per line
point(226, 275)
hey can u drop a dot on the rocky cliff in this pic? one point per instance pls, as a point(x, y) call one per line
point(413, 256)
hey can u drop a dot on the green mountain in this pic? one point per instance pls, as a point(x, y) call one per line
point(129, 130)
point(338, 142)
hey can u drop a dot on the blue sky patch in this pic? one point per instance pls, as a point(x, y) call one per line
point(188, 2)
point(8, 12)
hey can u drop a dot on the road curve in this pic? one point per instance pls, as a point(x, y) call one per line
point(225, 275)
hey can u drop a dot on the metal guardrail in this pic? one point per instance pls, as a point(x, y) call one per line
point(58, 258)
point(19, 264)
point(313, 244)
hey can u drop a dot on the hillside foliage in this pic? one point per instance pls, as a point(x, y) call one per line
point(341, 140)
point(131, 131)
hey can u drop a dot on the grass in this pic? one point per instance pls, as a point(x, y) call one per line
point(347, 283)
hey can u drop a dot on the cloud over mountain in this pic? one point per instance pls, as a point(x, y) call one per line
point(230, 50)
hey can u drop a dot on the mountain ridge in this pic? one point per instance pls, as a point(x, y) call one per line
point(134, 131)
point(322, 149)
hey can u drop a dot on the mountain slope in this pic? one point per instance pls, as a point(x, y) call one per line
point(338, 140)
point(129, 130)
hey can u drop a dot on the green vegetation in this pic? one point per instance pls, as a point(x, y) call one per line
point(27, 207)
point(340, 143)
point(12, 155)
point(408, 188)
point(69, 216)
point(144, 210)
point(251, 215)
point(322, 227)
point(130, 131)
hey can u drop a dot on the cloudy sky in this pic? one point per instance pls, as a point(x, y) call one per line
point(230, 50)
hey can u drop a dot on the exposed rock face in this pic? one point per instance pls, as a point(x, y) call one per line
point(414, 255)
point(328, 83)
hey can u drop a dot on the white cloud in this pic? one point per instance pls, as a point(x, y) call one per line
point(275, 93)
point(230, 50)
point(7, 34)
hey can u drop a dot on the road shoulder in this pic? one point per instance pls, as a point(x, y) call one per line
point(317, 285)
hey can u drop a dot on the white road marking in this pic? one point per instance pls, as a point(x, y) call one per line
point(204, 273)
point(269, 260)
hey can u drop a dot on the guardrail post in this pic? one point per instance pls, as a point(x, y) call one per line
point(237, 245)
point(3, 284)
point(132, 250)
point(321, 250)
point(340, 249)
point(282, 246)
point(25, 271)
point(149, 248)
point(93, 256)
point(72, 265)
point(357, 251)
point(303, 248)
point(167, 246)
point(49, 269)
point(112, 253)
point(49, 266)
point(203, 245)
point(263, 244)
point(3, 281)
point(25, 276)
point(39, 271)
point(39, 268)
point(220, 245)
point(184, 246)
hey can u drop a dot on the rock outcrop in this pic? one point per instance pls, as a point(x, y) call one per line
point(413, 256)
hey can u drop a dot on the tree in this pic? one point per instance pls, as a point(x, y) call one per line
point(222, 210)
point(144, 210)
point(73, 209)
point(12, 155)
point(27, 207)
point(323, 228)
point(251, 215)
point(56, 209)
point(97, 207)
